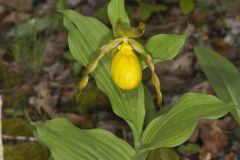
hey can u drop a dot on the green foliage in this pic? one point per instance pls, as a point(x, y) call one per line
point(151, 111)
point(13, 112)
point(175, 127)
point(150, 107)
point(116, 11)
point(33, 56)
point(171, 129)
point(222, 75)
point(189, 148)
point(68, 142)
point(30, 27)
point(27, 151)
point(186, 5)
point(60, 4)
point(145, 10)
point(16, 127)
point(163, 154)
point(25, 43)
point(101, 13)
point(84, 42)
point(165, 47)
point(76, 67)
point(86, 36)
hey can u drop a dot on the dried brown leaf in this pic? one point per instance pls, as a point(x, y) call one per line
point(224, 48)
point(230, 156)
point(214, 142)
point(20, 5)
point(45, 100)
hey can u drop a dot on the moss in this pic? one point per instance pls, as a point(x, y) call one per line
point(18, 100)
point(27, 151)
point(16, 127)
point(11, 79)
point(8, 79)
point(91, 99)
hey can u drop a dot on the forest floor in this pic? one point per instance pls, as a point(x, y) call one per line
point(39, 78)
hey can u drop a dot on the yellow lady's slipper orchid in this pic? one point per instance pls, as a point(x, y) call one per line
point(126, 69)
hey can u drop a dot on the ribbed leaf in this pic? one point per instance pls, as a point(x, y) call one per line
point(85, 36)
point(150, 108)
point(222, 75)
point(163, 154)
point(67, 142)
point(176, 126)
point(164, 46)
point(116, 11)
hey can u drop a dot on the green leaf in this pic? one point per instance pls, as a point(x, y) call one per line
point(163, 154)
point(30, 27)
point(116, 11)
point(101, 13)
point(68, 142)
point(85, 37)
point(154, 7)
point(222, 75)
point(145, 10)
point(165, 46)
point(193, 148)
point(151, 111)
point(186, 6)
point(68, 56)
point(176, 126)
point(76, 68)
point(60, 4)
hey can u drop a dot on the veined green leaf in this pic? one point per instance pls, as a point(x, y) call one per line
point(68, 142)
point(176, 126)
point(164, 46)
point(186, 6)
point(193, 148)
point(222, 75)
point(163, 154)
point(116, 11)
point(85, 36)
point(151, 111)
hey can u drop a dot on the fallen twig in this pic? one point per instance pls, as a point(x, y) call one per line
point(18, 138)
